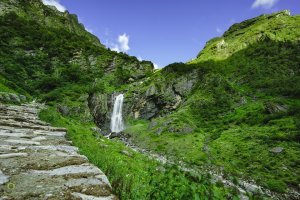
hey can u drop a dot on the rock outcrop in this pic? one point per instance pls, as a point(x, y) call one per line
point(144, 100)
point(37, 162)
point(100, 106)
point(6, 97)
point(160, 97)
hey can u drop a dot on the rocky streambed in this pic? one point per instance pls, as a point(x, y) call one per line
point(38, 162)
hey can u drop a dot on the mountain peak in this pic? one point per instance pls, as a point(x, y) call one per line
point(279, 26)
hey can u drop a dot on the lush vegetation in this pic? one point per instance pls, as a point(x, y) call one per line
point(55, 64)
point(244, 102)
point(133, 175)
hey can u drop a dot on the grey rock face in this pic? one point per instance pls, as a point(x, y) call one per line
point(100, 106)
point(152, 101)
point(185, 84)
point(37, 162)
point(149, 110)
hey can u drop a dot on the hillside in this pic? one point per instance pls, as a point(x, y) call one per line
point(232, 107)
point(48, 54)
point(232, 112)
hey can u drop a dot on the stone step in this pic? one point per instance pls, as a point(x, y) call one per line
point(12, 123)
point(37, 162)
point(13, 155)
point(20, 142)
point(9, 129)
point(71, 150)
point(24, 119)
point(30, 139)
point(71, 170)
point(89, 197)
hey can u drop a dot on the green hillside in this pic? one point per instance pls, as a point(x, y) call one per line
point(238, 101)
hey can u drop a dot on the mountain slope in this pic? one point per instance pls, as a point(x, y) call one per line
point(49, 55)
point(232, 107)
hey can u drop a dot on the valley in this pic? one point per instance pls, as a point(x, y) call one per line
point(225, 125)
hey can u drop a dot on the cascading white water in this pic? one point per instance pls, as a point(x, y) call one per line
point(116, 124)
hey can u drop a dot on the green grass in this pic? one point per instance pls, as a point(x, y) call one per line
point(245, 151)
point(238, 141)
point(135, 176)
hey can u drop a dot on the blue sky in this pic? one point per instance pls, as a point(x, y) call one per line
point(165, 31)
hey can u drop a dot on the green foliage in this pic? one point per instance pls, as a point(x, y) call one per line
point(136, 176)
point(45, 59)
point(244, 103)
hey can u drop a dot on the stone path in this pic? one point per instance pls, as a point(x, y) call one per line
point(37, 162)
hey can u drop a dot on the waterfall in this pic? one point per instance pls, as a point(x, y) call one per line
point(116, 124)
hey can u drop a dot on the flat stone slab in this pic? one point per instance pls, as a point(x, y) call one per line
point(13, 155)
point(38, 162)
point(71, 170)
point(88, 197)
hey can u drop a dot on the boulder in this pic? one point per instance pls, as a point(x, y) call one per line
point(64, 110)
point(114, 135)
point(272, 108)
point(7, 97)
point(14, 98)
point(276, 150)
point(23, 98)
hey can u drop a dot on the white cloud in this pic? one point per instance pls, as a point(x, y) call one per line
point(123, 43)
point(218, 30)
point(55, 3)
point(264, 3)
point(156, 66)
